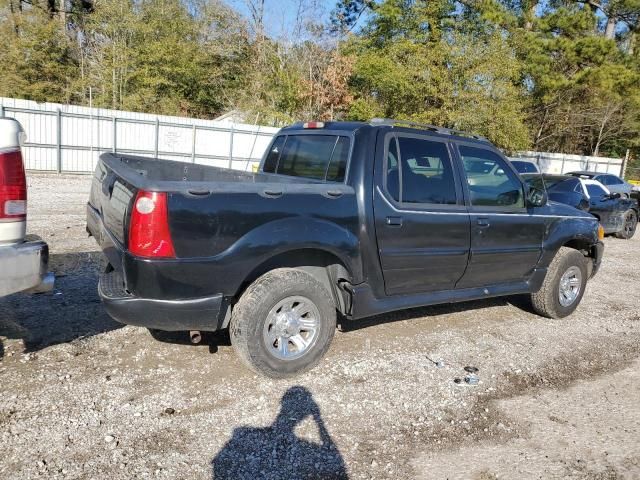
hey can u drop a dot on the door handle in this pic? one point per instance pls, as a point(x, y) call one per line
point(483, 222)
point(273, 193)
point(394, 221)
point(334, 193)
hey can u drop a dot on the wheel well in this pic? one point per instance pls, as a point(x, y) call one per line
point(581, 245)
point(586, 249)
point(326, 267)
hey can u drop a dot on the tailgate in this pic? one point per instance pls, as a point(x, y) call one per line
point(111, 197)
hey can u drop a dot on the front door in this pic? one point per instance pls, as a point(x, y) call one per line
point(422, 225)
point(506, 238)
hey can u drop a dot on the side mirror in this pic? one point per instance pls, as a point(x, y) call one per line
point(536, 197)
point(615, 195)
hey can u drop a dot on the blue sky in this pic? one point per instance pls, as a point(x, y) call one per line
point(280, 14)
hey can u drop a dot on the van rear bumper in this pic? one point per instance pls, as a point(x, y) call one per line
point(204, 313)
point(24, 267)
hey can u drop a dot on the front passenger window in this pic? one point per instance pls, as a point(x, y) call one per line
point(491, 182)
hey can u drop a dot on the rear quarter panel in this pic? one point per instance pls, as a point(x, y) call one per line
point(225, 235)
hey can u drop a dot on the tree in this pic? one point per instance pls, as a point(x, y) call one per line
point(418, 61)
point(38, 60)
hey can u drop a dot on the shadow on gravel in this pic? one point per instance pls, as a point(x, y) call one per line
point(519, 301)
point(276, 451)
point(212, 339)
point(73, 310)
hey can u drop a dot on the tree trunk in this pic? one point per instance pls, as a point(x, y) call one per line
point(541, 129)
point(531, 14)
point(610, 30)
point(62, 13)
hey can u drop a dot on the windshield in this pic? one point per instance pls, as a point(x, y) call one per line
point(524, 167)
point(550, 183)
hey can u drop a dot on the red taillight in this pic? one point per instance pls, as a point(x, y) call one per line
point(13, 187)
point(149, 234)
point(313, 125)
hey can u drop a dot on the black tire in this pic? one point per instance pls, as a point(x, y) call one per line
point(629, 225)
point(546, 301)
point(249, 319)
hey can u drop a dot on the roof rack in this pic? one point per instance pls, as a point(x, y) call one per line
point(425, 126)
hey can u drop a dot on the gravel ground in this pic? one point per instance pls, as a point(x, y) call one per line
point(84, 397)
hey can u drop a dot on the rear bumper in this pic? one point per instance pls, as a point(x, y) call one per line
point(597, 252)
point(24, 267)
point(205, 313)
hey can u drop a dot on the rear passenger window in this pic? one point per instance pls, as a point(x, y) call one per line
point(321, 157)
point(424, 174)
point(338, 164)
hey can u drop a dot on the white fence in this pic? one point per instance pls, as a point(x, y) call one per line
point(563, 163)
point(67, 138)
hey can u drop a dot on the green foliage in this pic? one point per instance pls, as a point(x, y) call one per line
point(38, 59)
point(414, 63)
point(561, 76)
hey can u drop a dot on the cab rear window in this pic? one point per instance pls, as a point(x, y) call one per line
point(320, 157)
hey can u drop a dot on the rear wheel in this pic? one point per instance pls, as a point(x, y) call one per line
point(629, 225)
point(284, 323)
point(563, 286)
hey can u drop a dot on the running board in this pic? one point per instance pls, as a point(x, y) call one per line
point(365, 304)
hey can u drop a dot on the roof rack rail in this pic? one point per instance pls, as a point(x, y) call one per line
point(425, 126)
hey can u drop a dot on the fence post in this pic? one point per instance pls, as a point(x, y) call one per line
point(231, 148)
point(625, 161)
point(114, 127)
point(193, 144)
point(157, 138)
point(1, 111)
point(59, 140)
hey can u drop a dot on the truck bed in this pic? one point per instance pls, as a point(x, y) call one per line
point(219, 219)
point(167, 175)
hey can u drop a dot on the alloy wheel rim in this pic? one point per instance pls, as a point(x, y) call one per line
point(630, 224)
point(291, 328)
point(570, 286)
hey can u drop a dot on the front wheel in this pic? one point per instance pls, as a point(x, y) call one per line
point(629, 225)
point(563, 286)
point(284, 323)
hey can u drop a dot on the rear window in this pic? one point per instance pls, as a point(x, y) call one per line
point(321, 157)
point(524, 167)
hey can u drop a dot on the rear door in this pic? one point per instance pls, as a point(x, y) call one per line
point(506, 238)
point(422, 225)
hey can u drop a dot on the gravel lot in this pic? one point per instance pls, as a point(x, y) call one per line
point(84, 397)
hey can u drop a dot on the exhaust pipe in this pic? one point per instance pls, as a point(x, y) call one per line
point(195, 336)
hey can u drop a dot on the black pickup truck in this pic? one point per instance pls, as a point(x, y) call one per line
point(342, 219)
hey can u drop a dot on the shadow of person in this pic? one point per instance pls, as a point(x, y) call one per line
point(276, 452)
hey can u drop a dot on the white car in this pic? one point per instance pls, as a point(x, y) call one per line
point(612, 183)
point(23, 264)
